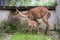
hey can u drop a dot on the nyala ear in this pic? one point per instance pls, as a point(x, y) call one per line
point(17, 10)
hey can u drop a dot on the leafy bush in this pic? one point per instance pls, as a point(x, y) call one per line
point(31, 3)
point(9, 27)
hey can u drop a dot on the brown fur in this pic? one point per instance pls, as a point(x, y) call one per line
point(37, 13)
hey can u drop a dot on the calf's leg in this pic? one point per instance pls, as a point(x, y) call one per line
point(30, 29)
point(45, 19)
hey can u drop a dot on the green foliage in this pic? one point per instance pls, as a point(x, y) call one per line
point(12, 2)
point(9, 27)
point(45, 3)
point(19, 2)
point(29, 3)
point(19, 36)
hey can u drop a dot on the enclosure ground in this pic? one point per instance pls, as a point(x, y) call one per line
point(19, 36)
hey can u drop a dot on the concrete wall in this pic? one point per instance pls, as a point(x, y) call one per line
point(4, 15)
point(3, 18)
point(57, 12)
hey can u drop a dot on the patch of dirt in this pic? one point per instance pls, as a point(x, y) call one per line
point(54, 35)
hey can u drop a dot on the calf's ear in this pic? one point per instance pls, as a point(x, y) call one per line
point(17, 10)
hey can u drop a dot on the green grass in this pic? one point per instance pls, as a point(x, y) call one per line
point(19, 36)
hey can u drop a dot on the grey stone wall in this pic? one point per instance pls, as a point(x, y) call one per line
point(3, 18)
point(57, 12)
